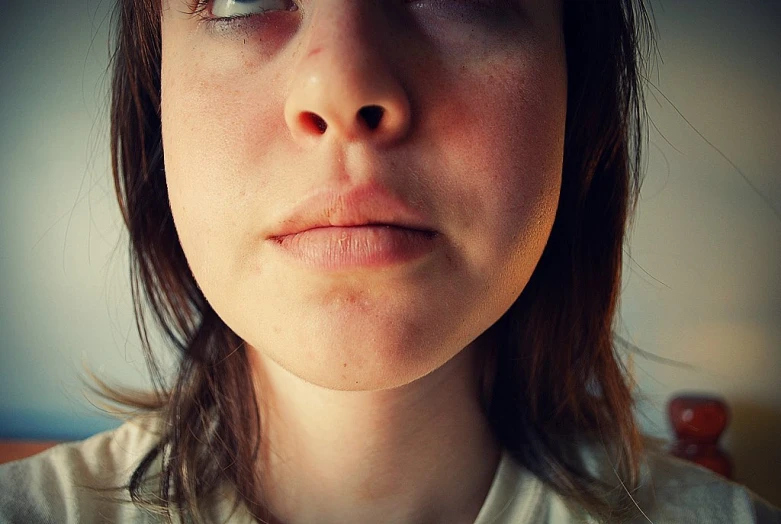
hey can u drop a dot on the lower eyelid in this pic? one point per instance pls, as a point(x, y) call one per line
point(243, 27)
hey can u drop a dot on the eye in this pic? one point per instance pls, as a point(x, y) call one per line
point(242, 8)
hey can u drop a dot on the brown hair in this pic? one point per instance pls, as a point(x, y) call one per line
point(555, 377)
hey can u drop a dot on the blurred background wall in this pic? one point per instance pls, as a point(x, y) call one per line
point(701, 283)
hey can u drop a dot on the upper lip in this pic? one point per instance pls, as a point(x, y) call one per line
point(369, 204)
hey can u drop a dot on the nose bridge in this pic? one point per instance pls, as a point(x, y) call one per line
point(336, 22)
point(342, 82)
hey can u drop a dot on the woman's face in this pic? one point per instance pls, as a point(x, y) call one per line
point(470, 142)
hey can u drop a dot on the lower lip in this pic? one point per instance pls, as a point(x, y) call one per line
point(335, 248)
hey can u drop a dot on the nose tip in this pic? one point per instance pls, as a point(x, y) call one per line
point(347, 87)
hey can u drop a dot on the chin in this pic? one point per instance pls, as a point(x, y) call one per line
point(354, 361)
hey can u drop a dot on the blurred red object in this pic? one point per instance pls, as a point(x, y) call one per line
point(18, 449)
point(698, 422)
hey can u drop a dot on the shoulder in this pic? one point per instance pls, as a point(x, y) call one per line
point(59, 485)
point(674, 490)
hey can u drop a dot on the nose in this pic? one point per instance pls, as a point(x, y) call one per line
point(343, 85)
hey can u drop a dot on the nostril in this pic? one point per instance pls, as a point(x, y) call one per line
point(372, 115)
point(312, 120)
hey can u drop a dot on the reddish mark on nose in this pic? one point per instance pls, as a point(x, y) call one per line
point(313, 52)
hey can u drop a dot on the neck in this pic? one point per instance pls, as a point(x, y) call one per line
point(423, 452)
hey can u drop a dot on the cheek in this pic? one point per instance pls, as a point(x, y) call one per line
point(508, 140)
point(217, 158)
point(203, 122)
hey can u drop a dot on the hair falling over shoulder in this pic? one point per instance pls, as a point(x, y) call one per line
point(555, 377)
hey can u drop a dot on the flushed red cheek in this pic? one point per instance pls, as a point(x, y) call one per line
point(494, 130)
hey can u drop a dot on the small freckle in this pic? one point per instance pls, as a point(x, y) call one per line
point(345, 364)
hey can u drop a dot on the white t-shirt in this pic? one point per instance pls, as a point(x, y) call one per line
point(45, 489)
